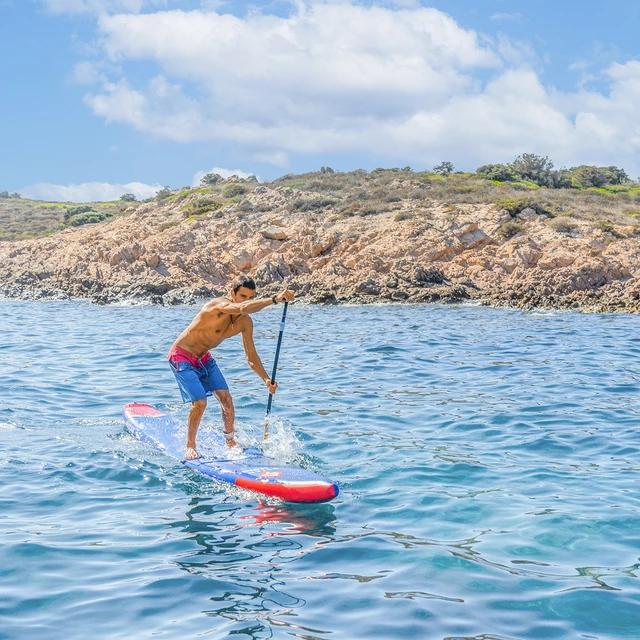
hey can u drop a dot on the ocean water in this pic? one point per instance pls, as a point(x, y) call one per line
point(488, 462)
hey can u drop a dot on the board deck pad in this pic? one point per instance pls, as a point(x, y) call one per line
point(247, 468)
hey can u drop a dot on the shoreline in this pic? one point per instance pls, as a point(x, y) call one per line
point(189, 298)
point(403, 245)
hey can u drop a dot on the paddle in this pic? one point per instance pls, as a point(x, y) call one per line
point(275, 368)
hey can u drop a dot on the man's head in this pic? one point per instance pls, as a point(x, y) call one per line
point(242, 288)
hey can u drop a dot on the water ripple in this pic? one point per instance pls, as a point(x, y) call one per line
point(488, 462)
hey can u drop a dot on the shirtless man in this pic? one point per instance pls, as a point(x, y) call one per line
point(197, 373)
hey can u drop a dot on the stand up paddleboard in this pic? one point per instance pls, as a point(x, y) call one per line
point(246, 468)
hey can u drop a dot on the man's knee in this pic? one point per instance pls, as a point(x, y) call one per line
point(225, 399)
point(199, 405)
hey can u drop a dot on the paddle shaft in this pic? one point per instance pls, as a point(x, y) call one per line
point(275, 367)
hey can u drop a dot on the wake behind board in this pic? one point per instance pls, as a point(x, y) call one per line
point(246, 468)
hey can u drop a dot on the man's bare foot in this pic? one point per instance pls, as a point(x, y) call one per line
point(191, 453)
point(230, 439)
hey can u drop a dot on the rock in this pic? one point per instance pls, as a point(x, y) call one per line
point(332, 255)
point(152, 260)
point(274, 233)
point(368, 287)
point(527, 214)
point(273, 270)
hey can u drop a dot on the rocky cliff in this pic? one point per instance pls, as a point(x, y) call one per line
point(402, 242)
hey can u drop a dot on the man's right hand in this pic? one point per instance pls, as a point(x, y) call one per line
point(287, 294)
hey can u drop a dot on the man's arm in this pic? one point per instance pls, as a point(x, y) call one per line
point(242, 308)
point(251, 306)
point(253, 359)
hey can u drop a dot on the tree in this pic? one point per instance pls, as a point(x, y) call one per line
point(128, 197)
point(443, 168)
point(165, 192)
point(4, 194)
point(586, 176)
point(210, 179)
point(534, 168)
point(618, 176)
point(562, 179)
point(500, 172)
point(70, 212)
point(16, 195)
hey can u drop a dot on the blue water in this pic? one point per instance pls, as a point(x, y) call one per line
point(488, 462)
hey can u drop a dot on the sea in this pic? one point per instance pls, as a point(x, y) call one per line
point(488, 462)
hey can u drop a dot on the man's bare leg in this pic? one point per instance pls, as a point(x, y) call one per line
point(228, 415)
point(195, 415)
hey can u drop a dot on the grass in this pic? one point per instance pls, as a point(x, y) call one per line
point(360, 193)
point(21, 219)
point(201, 207)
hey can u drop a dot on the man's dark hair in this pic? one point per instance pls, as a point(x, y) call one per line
point(242, 280)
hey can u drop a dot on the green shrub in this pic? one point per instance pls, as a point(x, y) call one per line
point(233, 190)
point(89, 217)
point(607, 227)
point(499, 172)
point(514, 206)
point(201, 206)
point(167, 225)
point(311, 205)
point(510, 229)
point(586, 176)
point(562, 224)
point(72, 212)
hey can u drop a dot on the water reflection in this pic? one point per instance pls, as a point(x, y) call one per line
point(313, 519)
point(244, 550)
point(225, 533)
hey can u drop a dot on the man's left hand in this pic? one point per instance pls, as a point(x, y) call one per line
point(272, 386)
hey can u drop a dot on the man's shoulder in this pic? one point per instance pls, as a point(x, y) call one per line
point(246, 322)
point(215, 303)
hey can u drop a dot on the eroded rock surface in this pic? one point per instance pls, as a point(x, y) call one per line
point(422, 251)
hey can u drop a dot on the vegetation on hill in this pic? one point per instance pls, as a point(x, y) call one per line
point(21, 218)
point(604, 195)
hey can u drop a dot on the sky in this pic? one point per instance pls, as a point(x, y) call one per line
point(105, 97)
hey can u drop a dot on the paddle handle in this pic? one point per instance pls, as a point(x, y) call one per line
point(275, 368)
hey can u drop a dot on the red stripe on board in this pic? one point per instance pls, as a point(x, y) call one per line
point(141, 410)
point(289, 492)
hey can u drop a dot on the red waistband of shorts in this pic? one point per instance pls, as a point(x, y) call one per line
point(178, 354)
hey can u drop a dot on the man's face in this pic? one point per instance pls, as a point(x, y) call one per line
point(242, 294)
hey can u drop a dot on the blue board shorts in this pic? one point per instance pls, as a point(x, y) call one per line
point(196, 383)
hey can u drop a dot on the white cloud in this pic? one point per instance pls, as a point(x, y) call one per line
point(87, 73)
point(88, 191)
point(225, 173)
point(406, 85)
point(276, 158)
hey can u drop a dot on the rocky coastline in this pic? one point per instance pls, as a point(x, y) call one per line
point(414, 249)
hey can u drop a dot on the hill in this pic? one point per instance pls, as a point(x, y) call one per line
point(392, 234)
